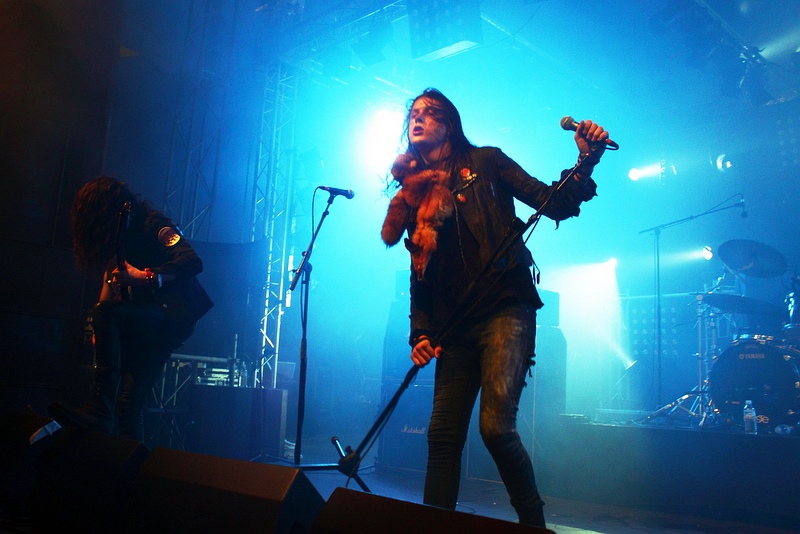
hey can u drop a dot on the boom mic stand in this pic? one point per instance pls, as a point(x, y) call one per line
point(656, 230)
point(349, 459)
point(304, 271)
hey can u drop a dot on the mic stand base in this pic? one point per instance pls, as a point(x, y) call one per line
point(349, 462)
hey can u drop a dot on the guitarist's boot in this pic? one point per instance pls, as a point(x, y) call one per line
point(98, 412)
point(129, 408)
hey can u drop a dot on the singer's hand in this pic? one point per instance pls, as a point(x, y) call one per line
point(423, 352)
point(591, 138)
point(129, 276)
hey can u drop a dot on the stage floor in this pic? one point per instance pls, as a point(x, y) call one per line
point(584, 498)
point(564, 516)
point(604, 478)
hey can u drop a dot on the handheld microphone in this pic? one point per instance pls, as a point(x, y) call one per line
point(346, 193)
point(568, 123)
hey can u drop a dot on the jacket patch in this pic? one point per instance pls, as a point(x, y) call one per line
point(168, 236)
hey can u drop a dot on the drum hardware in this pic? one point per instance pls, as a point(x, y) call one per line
point(753, 318)
point(755, 366)
point(700, 407)
point(791, 329)
point(727, 303)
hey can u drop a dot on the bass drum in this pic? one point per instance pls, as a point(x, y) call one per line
point(757, 370)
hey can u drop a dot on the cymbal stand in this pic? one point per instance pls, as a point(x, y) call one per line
point(701, 405)
point(704, 362)
point(656, 231)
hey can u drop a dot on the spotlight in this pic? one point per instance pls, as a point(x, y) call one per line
point(707, 252)
point(380, 139)
point(655, 170)
point(754, 82)
point(723, 163)
point(433, 37)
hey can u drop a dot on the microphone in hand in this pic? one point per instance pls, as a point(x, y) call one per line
point(568, 123)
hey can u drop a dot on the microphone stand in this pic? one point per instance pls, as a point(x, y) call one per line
point(349, 459)
point(304, 271)
point(656, 230)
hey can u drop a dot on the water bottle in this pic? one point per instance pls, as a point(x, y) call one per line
point(237, 374)
point(750, 424)
point(245, 376)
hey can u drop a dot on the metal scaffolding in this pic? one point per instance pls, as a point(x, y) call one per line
point(193, 169)
point(272, 214)
point(202, 99)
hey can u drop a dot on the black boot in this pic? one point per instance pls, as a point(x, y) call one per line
point(531, 515)
point(98, 412)
point(129, 408)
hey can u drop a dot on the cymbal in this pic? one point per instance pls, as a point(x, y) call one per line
point(737, 304)
point(752, 258)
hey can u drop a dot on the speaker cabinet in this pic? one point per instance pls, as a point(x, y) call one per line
point(178, 491)
point(17, 471)
point(81, 480)
point(236, 422)
point(403, 442)
point(349, 511)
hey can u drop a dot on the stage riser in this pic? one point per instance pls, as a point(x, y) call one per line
point(724, 476)
point(353, 512)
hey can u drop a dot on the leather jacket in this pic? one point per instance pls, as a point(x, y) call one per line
point(483, 196)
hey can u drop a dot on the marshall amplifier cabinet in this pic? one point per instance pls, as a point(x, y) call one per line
point(403, 442)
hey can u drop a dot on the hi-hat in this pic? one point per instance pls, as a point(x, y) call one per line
point(743, 256)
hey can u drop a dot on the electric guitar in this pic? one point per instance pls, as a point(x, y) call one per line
point(119, 243)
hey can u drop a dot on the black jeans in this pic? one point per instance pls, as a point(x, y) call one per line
point(133, 341)
point(492, 356)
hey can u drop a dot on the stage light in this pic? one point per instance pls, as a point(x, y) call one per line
point(723, 163)
point(594, 324)
point(740, 69)
point(381, 139)
point(454, 26)
point(691, 254)
point(369, 48)
point(656, 170)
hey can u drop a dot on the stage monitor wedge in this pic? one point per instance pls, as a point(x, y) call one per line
point(177, 491)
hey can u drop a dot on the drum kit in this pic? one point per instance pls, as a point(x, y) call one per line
point(761, 362)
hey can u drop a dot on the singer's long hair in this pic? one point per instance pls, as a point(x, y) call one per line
point(94, 216)
point(459, 144)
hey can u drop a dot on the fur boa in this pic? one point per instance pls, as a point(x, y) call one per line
point(424, 198)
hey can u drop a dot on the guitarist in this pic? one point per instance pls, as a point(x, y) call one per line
point(150, 301)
